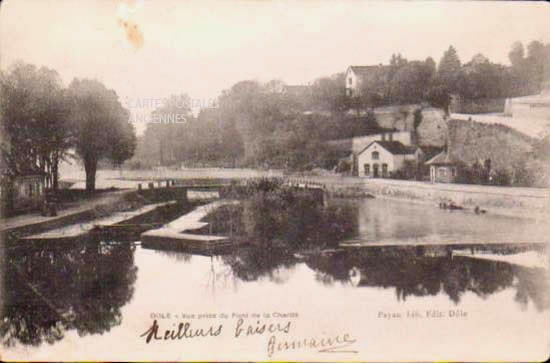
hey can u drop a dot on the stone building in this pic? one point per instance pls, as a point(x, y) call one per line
point(530, 107)
point(443, 168)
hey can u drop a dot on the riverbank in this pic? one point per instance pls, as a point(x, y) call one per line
point(85, 209)
point(531, 203)
point(89, 210)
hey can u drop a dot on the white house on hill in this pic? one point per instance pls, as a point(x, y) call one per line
point(356, 76)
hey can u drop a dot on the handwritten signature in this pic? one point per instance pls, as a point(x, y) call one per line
point(334, 344)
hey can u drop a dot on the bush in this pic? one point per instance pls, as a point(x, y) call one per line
point(411, 170)
point(500, 177)
point(344, 166)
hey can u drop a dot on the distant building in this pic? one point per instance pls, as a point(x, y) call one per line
point(380, 159)
point(22, 193)
point(400, 144)
point(19, 192)
point(358, 76)
point(443, 168)
point(531, 107)
point(460, 104)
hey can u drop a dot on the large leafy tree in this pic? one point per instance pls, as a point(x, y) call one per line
point(483, 79)
point(530, 69)
point(255, 110)
point(101, 126)
point(328, 94)
point(35, 116)
point(411, 82)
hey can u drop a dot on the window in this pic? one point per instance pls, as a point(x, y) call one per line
point(350, 81)
point(375, 155)
point(384, 169)
point(367, 169)
point(30, 190)
point(383, 137)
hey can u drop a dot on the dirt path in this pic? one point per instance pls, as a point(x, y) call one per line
point(34, 218)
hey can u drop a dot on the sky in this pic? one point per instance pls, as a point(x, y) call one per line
point(147, 50)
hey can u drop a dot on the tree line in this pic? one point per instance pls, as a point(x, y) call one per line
point(404, 81)
point(42, 123)
point(264, 125)
point(255, 125)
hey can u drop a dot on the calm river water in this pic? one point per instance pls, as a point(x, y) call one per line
point(96, 299)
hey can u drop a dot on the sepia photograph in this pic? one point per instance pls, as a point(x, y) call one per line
point(274, 180)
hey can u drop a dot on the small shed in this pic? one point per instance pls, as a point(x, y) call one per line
point(21, 193)
point(443, 168)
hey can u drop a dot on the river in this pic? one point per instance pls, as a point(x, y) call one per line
point(95, 299)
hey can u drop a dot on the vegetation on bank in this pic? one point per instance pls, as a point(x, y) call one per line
point(267, 125)
point(42, 123)
point(274, 215)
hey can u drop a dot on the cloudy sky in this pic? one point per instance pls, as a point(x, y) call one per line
point(149, 49)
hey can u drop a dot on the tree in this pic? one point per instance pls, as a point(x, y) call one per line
point(411, 81)
point(35, 116)
point(256, 110)
point(127, 144)
point(536, 60)
point(430, 65)
point(438, 95)
point(516, 55)
point(328, 94)
point(482, 79)
point(100, 125)
point(449, 69)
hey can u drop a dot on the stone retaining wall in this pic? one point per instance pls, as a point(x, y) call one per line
point(519, 202)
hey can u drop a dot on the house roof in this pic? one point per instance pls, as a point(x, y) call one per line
point(363, 71)
point(360, 70)
point(394, 147)
point(430, 151)
point(443, 158)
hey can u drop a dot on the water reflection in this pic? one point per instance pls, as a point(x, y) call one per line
point(51, 289)
point(56, 288)
point(414, 275)
point(279, 221)
point(251, 264)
